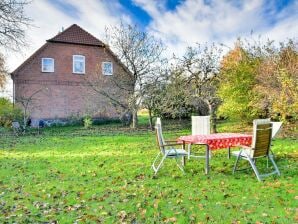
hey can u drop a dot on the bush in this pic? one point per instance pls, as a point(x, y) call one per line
point(105, 120)
point(87, 120)
point(8, 113)
point(74, 119)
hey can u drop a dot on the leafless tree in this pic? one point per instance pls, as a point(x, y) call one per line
point(26, 102)
point(115, 88)
point(154, 95)
point(141, 54)
point(200, 65)
point(13, 23)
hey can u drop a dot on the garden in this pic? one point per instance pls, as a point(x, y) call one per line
point(103, 175)
point(82, 119)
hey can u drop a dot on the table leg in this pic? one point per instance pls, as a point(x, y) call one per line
point(183, 158)
point(207, 160)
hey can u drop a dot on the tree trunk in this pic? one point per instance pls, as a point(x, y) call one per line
point(213, 121)
point(24, 120)
point(212, 116)
point(134, 119)
point(150, 119)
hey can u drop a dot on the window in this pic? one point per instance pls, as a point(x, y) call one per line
point(47, 65)
point(107, 68)
point(78, 65)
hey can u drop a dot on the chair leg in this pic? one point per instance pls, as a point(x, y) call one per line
point(156, 169)
point(178, 164)
point(154, 161)
point(237, 160)
point(252, 163)
point(160, 164)
point(183, 160)
point(274, 164)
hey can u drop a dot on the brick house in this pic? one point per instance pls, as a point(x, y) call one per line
point(61, 77)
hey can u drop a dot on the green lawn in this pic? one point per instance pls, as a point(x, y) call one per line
point(73, 175)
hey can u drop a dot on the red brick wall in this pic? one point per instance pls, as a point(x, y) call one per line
point(65, 94)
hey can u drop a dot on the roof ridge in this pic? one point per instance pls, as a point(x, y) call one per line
point(75, 34)
point(59, 33)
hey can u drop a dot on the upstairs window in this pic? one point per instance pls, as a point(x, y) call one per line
point(107, 68)
point(78, 64)
point(47, 65)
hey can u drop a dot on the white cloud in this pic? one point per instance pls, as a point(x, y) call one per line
point(194, 21)
point(152, 7)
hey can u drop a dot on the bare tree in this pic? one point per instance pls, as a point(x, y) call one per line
point(116, 88)
point(26, 102)
point(153, 97)
point(13, 23)
point(141, 54)
point(201, 66)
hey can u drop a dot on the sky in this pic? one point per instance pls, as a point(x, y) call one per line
point(178, 23)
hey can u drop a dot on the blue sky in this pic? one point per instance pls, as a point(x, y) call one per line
point(178, 23)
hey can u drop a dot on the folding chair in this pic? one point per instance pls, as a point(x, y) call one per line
point(200, 125)
point(262, 134)
point(167, 151)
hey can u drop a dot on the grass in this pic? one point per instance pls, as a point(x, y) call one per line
point(74, 175)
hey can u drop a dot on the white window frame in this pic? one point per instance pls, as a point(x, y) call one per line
point(80, 58)
point(103, 65)
point(48, 71)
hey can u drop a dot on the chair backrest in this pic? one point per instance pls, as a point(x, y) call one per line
point(158, 122)
point(200, 125)
point(159, 138)
point(276, 126)
point(262, 132)
point(259, 121)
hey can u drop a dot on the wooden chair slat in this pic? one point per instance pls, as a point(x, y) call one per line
point(262, 141)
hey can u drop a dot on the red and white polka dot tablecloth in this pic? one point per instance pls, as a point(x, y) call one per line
point(218, 140)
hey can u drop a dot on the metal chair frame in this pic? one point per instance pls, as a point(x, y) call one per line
point(167, 150)
point(259, 149)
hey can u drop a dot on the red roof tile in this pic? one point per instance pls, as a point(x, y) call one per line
point(76, 35)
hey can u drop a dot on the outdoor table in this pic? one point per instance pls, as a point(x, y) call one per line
point(216, 141)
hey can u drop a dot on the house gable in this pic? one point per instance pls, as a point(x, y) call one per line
point(66, 93)
point(74, 35)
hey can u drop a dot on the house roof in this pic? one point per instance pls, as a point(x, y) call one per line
point(76, 35)
point(72, 35)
